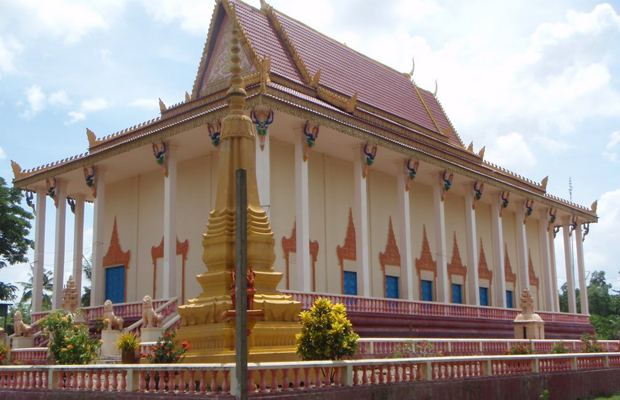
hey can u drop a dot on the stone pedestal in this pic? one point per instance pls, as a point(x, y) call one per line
point(108, 347)
point(23, 342)
point(150, 334)
point(528, 324)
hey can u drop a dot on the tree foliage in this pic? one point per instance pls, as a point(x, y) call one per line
point(14, 229)
point(604, 306)
point(48, 286)
point(326, 333)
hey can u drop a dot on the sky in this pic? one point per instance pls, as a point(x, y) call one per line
point(537, 83)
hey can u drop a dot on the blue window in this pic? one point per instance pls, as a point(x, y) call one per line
point(115, 284)
point(484, 296)
point(391, 287)
point(509, 302)
point(457, 293)
point(350, 282)
point(427, 290)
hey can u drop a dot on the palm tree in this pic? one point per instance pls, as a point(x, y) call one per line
point(87, 267)
point(48, 287)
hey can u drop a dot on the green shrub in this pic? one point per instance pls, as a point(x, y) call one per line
point(127, 342)
point(559, 348)
point(590, 344)
point(326, 333)
point(167, 350)
point(69, 343)
point(521, 348)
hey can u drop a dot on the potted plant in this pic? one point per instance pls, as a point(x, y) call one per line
point(128, 344)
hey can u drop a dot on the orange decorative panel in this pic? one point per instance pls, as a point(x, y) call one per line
point(158, 252)
point(115, 255)
point(510, 276)
point(456, 267)
point(530, 266)
point(426, 262)
point(349, 250)
point(391, 256)
point(483, 268)
point(289, 245)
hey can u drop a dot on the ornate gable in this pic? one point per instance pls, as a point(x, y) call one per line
point(510, 276)
point(289, 245)
point(530, 266)
point(483, 268)
point(456, 266)
point(426, 262)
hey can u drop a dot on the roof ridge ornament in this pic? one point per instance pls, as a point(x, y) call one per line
point(315, 80)
point(187, 97)
point(543, 183)
point(594, 206)
point(162, 106)
point(436, 88)
point(17, 171)
point(92, 139)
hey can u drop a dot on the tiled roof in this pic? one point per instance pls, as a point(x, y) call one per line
point(265, 40)
point(342, 70)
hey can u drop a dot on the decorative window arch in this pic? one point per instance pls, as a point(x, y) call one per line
point(349, 250)
point(391, 256)
point(158, 252)
point(115, 255)
point(289, 245)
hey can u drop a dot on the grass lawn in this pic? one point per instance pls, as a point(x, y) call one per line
point(614, 397)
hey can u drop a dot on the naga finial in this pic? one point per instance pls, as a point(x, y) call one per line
point(412, 68)
point(436, 88)
point(187, 97)
point(162, 106)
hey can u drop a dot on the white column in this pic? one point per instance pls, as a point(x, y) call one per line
point(473, 285)
point(499, 270)
point(39, 252)
point(554, 276)
point(59, 247)
point(263, 173)
point(362, 240)
point(583, 289)
point(408, 290)
point(523, 274)
point(78, 245)
point(170, 225)
point(547, 285)
point(97, 275)
point(443, 288)
point(572, 303)
point(302, 217)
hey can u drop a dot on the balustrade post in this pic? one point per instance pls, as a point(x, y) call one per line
point(606, 361)
point(574, 363)
point(233, 381)
point(536, 365)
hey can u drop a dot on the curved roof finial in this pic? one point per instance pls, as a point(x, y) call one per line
point(412, 68)
point(436, 88)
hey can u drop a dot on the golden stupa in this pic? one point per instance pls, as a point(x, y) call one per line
point(204, 322)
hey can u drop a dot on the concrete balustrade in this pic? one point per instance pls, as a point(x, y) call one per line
point(216, 379)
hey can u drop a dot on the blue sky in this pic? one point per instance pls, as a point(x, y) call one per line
point(537, 83)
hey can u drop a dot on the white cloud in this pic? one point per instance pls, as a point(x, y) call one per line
point(75, 117)
point(88, 106)
point(9, 48)
point(36, 100)
point(511, 151)
point(147, 104)
point(95, 104)
point(612, 148)
point(193, 15)
point(59, 98)
point(2, 154)
point(67, 20)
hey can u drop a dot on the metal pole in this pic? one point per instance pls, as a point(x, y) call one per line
point(241, 309)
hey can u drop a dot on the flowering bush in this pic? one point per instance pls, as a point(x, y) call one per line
point(559, 348)
point(521, 348)
point(100, 323)
point(412, 348)
point(4, 355)
point(69, 343)
point(590, 344)
point(326, 333)
point(166, 350)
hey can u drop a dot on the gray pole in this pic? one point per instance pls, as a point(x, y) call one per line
point(242, 286)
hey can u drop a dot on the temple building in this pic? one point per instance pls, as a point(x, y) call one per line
point(371, 193)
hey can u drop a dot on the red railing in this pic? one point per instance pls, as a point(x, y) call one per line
point(424, 308)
